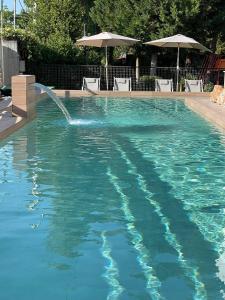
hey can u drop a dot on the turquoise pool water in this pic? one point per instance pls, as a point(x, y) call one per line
point(128, 204)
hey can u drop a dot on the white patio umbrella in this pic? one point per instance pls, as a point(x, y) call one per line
point(106, 39)
point(178, 41)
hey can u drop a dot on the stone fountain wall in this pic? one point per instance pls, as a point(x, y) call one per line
point(23, 96)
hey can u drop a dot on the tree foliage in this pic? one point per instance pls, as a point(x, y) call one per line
point(54, 25)
point(209, 24)
point(127, 17)
point(48, 17)
point(151, 19)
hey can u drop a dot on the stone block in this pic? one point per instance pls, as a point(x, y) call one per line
point(23, 95)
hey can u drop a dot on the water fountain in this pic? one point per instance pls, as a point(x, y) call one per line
point(56, 100)
point(62, 107)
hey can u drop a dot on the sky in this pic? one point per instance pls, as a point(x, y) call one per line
point(10, 4)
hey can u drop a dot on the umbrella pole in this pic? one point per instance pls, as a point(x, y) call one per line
point(106, 68)
point(178, 66)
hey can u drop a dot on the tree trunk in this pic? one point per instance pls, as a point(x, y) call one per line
point(154, 59)
point(137, 70)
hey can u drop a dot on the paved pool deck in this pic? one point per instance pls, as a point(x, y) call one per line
point(132, 94)
point(198, 102)
point(9, 123)
point(211, 111)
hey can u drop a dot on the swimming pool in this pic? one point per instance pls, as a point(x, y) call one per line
point(128, 204)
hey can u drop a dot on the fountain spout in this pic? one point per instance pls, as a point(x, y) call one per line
point(56, 100)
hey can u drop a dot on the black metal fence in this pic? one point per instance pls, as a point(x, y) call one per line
point(143, 78)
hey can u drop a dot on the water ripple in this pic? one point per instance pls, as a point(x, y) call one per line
point(112, 273)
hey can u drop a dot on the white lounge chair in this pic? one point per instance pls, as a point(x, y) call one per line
point(122, 84)
point(164, 85)
point(193, 86)
point(91, 84)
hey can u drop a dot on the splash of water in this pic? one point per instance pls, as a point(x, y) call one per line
point(83, 122)
point(57, 101)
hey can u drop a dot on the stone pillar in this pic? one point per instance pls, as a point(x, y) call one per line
point(23, 96)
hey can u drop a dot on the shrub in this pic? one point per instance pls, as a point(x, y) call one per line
point(149, 78)
point(188, 76)
point(57, 48)
point(208, 87)
point(9, 33)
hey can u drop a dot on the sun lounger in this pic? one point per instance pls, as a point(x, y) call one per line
point(122, 84)
point(91, 84)
point(193, 86)
point(164, 85)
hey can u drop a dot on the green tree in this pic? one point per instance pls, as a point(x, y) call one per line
point(7, 17)
point(150, 19)
point(209, 24)
point(177, 17)
point(200, 19)
point(48, 17)
point(56, 25)
point(128, 17)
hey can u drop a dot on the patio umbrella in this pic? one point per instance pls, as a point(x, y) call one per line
point(106, 39)
point(178, 41)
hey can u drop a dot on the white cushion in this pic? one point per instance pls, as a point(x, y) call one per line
point(91, 80)
point(164, 81)
point(121, 80)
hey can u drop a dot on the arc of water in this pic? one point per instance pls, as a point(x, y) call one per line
point(112, 273)
point(56, 100)
point(190, 271)
point(153, 283)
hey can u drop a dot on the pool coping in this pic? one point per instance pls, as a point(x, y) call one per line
point(211, 111)
point(11, 122)
point(198, 102)
point(132, 94)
